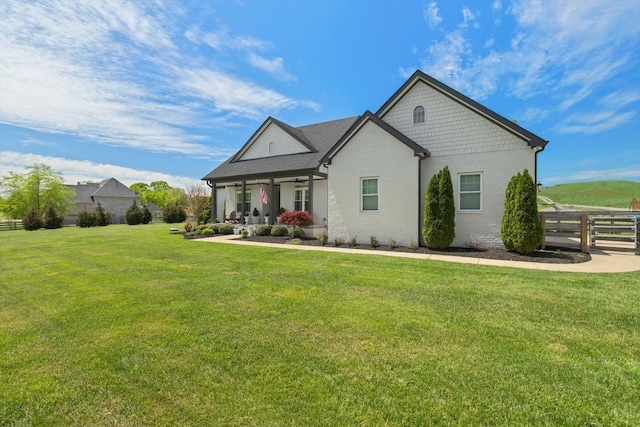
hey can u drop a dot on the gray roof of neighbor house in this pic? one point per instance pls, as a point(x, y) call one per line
point(87, 191)
point(319, 138)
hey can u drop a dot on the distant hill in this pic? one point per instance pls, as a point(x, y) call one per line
point(616, 194)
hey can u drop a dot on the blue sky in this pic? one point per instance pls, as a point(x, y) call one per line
point(152, 90)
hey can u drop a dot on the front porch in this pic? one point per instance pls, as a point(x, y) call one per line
point(266, 195)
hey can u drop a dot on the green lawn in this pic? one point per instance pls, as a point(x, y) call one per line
point(617, 194)
point(130, 325)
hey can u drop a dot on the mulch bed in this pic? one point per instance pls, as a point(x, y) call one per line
point(554, 255)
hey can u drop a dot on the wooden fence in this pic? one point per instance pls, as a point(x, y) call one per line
point(10, 224)
point(583, 230)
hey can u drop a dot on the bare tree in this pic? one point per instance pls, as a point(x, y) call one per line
point(197, 198)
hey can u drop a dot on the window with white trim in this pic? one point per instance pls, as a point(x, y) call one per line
point(247, 198)
point(301, 198)
point(470, 192)
point(369, 194)
point(419, 115)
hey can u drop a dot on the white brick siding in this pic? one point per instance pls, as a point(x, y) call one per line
point(374, 153)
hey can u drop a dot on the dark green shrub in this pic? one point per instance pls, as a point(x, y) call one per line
point(103, 218)
point(279, 230)
point(297, 232)
point(439, 211)
point(508, 213)
point(134, 214)
point(216, 228)
point(393, 244)
point(522, 230)
point(352, 241)
point(373, 240)
point(52, 219)
point(244, 234)
point(147, 216)
point(86, 219)
point(32, 220)
point(263, 230)
point(173, 213)
point(225, 229)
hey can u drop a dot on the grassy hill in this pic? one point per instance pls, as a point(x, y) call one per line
point(617, 194)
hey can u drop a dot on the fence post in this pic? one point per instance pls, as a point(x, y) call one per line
point(592, 231)
point(543, 221)
point(584, 233)
point(637, 235)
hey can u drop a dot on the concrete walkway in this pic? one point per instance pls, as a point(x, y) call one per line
point(602, 261)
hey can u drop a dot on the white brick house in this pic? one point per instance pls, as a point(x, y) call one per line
point(367, 176)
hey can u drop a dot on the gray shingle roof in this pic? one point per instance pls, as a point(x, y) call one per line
point(320, 137)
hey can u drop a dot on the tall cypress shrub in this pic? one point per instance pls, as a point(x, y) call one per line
point(438, 228)
point(524, 231)
point(51, 219)
point(507, 221)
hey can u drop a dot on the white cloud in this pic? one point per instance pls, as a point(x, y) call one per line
point(531, 115)
point(274, 66)
point(75, 171)
point(595, 122)
point(431, 14)
point(237, 97)
point(112, 72)
point(565, 51)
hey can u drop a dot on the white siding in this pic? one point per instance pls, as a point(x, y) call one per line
point(319, 213)
point(450, 127)
point(374, 153)
point(481, 229)
point(283, 143)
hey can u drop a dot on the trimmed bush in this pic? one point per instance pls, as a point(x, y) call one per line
point(439, 211)
point(103, 218)
point(521, 228)
point(373, 240)
point(297, 218)
point(32, 220)
point(86, 219)
point(52, 219)
point(207, 231)
point(263, 230)
point(507, 214)
point(147, 216)
point(134, 214)
point(173, 214)
point(279, 230)
point(225, 229)
point(297, 232)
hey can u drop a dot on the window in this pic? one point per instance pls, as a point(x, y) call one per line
point(247, 198)
point(419, 115)
point(470, 192)
point(369, 194)
point(301, 199)
point(272, 148)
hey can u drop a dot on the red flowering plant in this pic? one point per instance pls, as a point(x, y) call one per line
point(297, 218)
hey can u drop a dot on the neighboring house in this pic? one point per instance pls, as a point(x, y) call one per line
point(367, 176)
point(113, 196)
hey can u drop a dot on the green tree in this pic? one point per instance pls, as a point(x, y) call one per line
point(38, 188)
point(507, 215)
point(32, 220)
point(160, 193)
point(522, 230)
point(134, 214)
point(103, 217)
point(51, 218)
point(438, 228)
point(147, 216)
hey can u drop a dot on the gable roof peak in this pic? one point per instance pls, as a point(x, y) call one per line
point(534, 141)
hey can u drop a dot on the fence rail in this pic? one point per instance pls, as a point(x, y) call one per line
point(590, 229)
point(10, 224)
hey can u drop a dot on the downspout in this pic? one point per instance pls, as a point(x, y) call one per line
point(537, 150)
point(420, 200)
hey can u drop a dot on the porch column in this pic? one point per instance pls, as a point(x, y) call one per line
point(310, 204)
point(272, 209)
point(214, 201)
point(243, 204)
